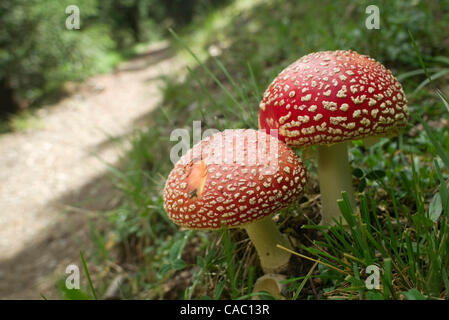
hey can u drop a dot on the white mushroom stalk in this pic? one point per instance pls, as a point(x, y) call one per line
point(265, 236)
point(335, 177)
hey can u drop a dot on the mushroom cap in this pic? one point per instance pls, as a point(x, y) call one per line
point(231, 179)
point(332, 96)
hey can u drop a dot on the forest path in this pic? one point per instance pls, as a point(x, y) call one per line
point(51, 176)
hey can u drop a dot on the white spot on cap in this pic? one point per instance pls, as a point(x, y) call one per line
point(344, 107)
point(306, 97)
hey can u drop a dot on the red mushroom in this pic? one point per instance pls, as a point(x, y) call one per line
point(237, 178)
point(327, 98)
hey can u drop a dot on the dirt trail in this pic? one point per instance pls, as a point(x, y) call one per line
point(48, 172)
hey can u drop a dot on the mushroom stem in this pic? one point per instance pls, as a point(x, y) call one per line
point(265, 236)
point(334, 177)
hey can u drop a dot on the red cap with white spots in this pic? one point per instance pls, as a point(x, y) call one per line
point(332, 96)
point(233, 178)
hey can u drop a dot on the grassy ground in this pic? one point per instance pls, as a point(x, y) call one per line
point(402, 223)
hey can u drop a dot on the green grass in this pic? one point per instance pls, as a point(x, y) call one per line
point(401, 224)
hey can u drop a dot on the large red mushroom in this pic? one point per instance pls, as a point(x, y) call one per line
point(237, 179)
point(327, 98)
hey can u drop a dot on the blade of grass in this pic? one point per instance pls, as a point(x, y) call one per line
point(257, 94)
point(202, 86)
point(444, 193)
point(219, 290)
point(208, 71)
point(229, 255)
point(418, 53)
point(413, 73)
point(92, 289)
point(311, 259)
point(326, 257)
point(411, 256)
point(250, 281)
point(443, 98)
point(435, 76)
point(231, 80)
point(426, 72)
point(388, 279)
point(303, 283)
point(438, 148)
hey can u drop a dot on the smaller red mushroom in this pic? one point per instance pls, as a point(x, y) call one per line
point(237, 179)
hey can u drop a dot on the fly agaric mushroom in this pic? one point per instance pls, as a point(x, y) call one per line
point(237, 178)
point(327, 98)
